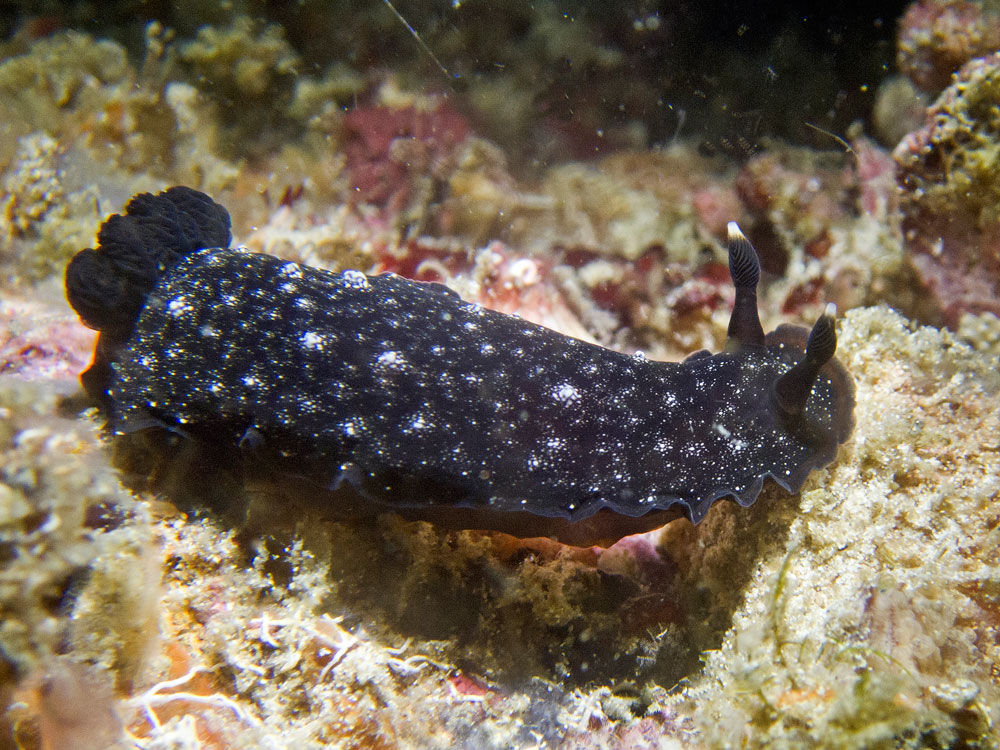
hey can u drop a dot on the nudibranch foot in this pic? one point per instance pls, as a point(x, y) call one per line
point(397, 395)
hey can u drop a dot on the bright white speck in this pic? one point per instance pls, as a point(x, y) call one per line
point(178, 306)
point(721, 429)
point(392, 360)
point(250, 380)
point(291, 270)
point(208, 331)
point(355, 279)
point(566, 393)
point(311, 340)
point(419, 423)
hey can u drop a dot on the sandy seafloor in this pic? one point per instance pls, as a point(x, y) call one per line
point(149, 600)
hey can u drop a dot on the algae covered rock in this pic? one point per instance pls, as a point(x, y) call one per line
point(949, 180)
point(77, 601)
point(872, 624)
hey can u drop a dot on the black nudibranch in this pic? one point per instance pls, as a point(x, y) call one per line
point(399, 396)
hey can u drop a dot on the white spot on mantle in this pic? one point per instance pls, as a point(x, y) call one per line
point(392, 360)
point(566, 393)
point(355, 279)
point(311, 340)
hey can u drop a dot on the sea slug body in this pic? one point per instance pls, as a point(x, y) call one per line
point(399, 396)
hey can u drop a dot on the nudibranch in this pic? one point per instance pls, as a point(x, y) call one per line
point(399, 396)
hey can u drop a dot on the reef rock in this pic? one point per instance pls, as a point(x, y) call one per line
point(937, 37)
point(950, 194)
